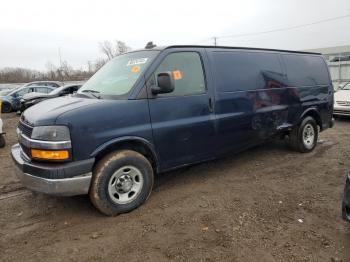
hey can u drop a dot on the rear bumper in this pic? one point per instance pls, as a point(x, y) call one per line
point(53, 179)
point(341, 113)
point(346, 200)
point(341, 110)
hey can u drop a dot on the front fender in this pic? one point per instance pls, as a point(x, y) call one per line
point(119, 140)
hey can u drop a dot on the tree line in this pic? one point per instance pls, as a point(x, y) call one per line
point(64, 72)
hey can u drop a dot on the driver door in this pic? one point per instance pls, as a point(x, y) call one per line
point(183, 120)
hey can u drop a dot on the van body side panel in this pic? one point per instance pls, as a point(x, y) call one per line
point(310, 83)
point(106, 121)
point(251, 97)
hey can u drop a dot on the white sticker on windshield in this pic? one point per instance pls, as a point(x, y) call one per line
point(137, 61)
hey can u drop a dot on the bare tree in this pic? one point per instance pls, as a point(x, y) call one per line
point(106, 48)
point(65, 72)
point(122, 47)
point(51, 70)
point(113, 49)
point(98, 64)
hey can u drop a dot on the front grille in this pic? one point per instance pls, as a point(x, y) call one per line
point(343, 103)
point(25, 129)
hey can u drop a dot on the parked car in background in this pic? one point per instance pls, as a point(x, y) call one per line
point(11, 100)
point(346, 199)
point(2, 137)
point(158, 109)
point(342, 101)
point(33, 98)
point(45, 83)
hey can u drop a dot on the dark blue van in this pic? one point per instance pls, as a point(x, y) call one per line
point(158, 109)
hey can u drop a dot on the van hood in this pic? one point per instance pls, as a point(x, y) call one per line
point(46, 112)
point(342, 95)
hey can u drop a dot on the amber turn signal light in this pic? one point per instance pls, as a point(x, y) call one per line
point(50, 155)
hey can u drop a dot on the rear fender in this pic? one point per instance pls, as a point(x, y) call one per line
point(313, 112)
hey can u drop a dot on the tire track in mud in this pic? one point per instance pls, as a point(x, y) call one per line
point(14, 190)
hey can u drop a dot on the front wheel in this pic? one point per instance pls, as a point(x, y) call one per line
point(303, 138)
point(121, 182)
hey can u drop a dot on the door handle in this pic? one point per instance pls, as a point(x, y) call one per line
point(211, 108)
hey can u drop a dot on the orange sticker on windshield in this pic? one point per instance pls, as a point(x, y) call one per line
point(177, 75)
point(135, 69)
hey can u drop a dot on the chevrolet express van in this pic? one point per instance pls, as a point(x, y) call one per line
point(158, 109)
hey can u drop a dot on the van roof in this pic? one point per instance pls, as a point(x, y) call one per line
point(230, 47)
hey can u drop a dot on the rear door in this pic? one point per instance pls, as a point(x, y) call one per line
point(183, 121)
point(251, 98)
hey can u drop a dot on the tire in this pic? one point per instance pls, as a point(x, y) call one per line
point(2, 141)
point(303, 138)
point(121, 182)
point(6, 108)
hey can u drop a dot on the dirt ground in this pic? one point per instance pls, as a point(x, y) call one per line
point(266, 204)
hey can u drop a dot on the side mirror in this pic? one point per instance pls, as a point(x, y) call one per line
point(165, 84)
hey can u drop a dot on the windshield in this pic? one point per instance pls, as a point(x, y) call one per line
point(5, 92)
point(346, 87)
point(119, 75)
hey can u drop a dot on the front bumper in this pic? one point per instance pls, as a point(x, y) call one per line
point(346, 199)
point(66, 179)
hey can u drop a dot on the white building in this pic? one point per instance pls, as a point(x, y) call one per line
point(338, 59)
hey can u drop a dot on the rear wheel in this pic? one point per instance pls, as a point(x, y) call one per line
point(121, 182)
point(6, 108)
point(303, 138)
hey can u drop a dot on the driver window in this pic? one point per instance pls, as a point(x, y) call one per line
point(187, 72)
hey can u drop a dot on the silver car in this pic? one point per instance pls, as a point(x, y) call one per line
point(342, 101)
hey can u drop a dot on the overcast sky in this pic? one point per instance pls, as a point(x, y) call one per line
point(31, 32)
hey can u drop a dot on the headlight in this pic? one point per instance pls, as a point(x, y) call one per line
point(51, 133)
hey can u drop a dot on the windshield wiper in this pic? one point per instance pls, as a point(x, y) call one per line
point(92, 92)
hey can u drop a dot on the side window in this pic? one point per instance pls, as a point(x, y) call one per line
point(74, 89)
point(306, 70)
point(242, 70)
point(65, 92)
point(22, 92)
point(41, 90)
point(187, 72)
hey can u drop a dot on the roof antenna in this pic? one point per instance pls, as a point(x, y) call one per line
point(150, 45)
